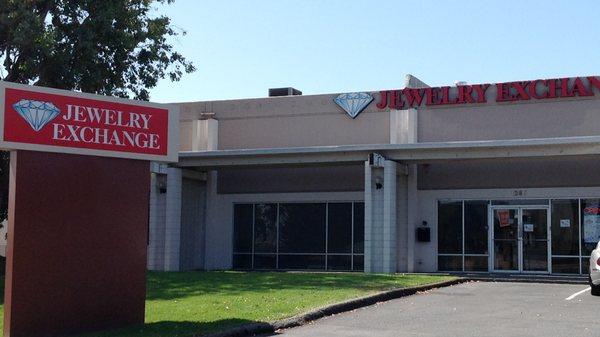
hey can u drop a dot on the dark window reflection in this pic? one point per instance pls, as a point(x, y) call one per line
point(476, 227)
point(450, 228)
point(359, 227)
point(339, 232)
point(301, 236)
point(476, 263)
point(358, 263)
point(306, 262)
point(565, 265)
point(242, 232)
point(565, 228)
point(265, 228)
point(339, 262)
point(302, 228)
point(242, 261)
point(450, 263)
point(265, 261)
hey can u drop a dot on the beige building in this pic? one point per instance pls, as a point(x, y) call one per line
point(482, 178)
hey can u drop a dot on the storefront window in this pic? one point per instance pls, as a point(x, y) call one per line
point(339, 228)
point(476, 235)
point(265, 228)
point(463, 235)
point(242, 236)
point(301, 236)
point(565, 265)
point(476, 263)
point(565, 236)
point(590, 225)
point(565, 227)
point(302, 228)
point(476, 227)
point(450, 228)
point(359, 229)
point(243, 228)
point(450, 263)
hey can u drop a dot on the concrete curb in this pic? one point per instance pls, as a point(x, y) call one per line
point(264, 328)
point(524, 280)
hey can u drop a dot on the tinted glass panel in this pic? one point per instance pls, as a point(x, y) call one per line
point(565, 265)
point(359, 227)
point(450, 228)
point(590, 225)
point(302, 228)
point(242, 261)
point(301, 262)
point(264, 261)
point(476, 228)
point(242, 228)
point(506, 255)
point(565, 228)
point(476, 263)
point(339, 233)
point(359, 263)
point(585, 265)
point(450, 263)
point(265, 228)
point(339, 262)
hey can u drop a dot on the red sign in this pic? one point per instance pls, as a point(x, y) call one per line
point(505, 92)
point(78, 123)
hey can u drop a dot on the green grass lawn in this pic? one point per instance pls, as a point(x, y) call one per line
point(188, 303)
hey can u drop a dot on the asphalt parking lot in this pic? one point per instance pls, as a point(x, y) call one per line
point(471, 309)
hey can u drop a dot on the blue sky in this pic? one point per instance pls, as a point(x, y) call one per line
point(242, 48)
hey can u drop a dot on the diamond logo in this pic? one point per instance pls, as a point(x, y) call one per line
point(353, 103)
point(36, 113)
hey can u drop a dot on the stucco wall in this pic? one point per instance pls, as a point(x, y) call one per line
point(559, 117)
point(290, 121)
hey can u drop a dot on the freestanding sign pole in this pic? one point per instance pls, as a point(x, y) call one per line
point(78, 207)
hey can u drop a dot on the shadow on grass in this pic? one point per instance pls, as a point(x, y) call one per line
point(166, 286)
point(170, 329)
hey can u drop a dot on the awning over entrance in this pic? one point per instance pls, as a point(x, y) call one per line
point(407, 153)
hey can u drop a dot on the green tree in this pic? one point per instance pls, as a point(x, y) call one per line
point(109, 47)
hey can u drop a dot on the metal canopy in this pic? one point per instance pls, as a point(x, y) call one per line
point(406, 153)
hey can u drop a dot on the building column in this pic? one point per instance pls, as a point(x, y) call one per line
point(211, 246)
point(154, 244)
point(403, 130)
point(380, 218)
point(412, 216)
point(402, 222)
point(156, 219)
point(389, 217)
point(173, 220)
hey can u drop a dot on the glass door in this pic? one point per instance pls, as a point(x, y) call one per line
point(520, 239)
point(506, 239)
point(535, 240)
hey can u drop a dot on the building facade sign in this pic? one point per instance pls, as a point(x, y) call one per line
point(42, 119)
point(505, 92)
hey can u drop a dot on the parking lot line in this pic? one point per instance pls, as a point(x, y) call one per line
point(578, 293)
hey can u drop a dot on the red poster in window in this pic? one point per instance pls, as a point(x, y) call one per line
point(503, 217)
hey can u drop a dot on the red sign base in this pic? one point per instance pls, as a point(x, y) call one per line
point(77, 237)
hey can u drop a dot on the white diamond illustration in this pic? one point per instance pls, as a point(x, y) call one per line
point(353, 103)
point(36, 113)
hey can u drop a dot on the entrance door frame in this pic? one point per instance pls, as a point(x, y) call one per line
point(519, 209)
